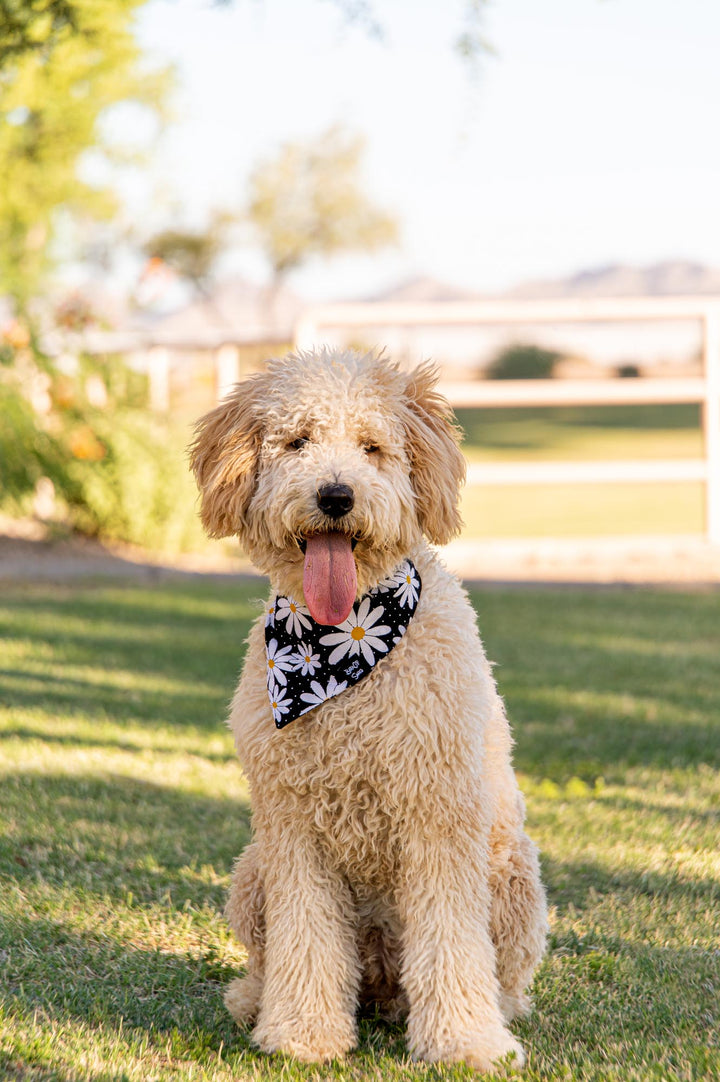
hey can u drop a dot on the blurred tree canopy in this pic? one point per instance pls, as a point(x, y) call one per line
point(27, 25)
point(308, 200)
point(63, 65)
point(192, 254)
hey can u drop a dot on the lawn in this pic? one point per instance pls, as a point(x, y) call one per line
point(123, 807)
point(582, 433)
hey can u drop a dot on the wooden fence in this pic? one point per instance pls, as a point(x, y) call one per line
point(704, 390)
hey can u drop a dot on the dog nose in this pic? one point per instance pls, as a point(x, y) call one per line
point(335, 500)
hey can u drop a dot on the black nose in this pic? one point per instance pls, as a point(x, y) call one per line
point(335, 500)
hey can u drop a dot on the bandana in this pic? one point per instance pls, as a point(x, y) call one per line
point(308, 662)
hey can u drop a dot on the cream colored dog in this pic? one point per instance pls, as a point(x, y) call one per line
point(389, 860)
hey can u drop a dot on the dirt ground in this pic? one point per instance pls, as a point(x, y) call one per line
point(28, 554)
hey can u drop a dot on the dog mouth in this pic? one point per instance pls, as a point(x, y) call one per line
point(329, 575)
point(301, 542)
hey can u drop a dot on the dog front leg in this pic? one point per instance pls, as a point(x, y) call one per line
point(448, 960)
point(312, 972)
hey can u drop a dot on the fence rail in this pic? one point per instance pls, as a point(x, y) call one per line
point(533, 393)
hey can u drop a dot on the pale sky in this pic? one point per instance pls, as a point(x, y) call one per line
point(590, 137)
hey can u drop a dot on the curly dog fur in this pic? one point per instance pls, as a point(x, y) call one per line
point(389, 861)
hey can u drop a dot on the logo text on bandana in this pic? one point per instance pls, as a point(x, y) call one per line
point(308, 662)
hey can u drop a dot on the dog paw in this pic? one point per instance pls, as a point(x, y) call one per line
point(312, 1040)
point(481, 1051)
point(242, 998)
point(486, 1054)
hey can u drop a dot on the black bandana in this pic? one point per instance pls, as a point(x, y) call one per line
point(308, 663)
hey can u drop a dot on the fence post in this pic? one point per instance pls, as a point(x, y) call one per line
point(158, 366)
point(227, 369)
point(711, 421)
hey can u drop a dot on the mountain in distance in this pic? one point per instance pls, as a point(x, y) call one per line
point(667, 278)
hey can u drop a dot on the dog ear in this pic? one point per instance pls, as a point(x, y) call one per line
point(436, 463)
point(223, 457)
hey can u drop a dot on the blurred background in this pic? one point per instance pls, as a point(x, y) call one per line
point(524, 191)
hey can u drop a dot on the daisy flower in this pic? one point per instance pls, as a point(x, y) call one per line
point(278, 703)
point(270, 616)
point(296, 616)
point(358, 634)
point(305, 660)
point(278, 662)
point(408, 585)
point(319, 694)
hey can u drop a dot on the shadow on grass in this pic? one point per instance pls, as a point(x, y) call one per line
point(597, 682)
point(160, 655)
point(601, 997)
point(581, 882)
point(113, 836)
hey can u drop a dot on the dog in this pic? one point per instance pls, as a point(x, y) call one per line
point(389, 863)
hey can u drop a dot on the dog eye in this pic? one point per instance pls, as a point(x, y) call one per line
point(298, 444)
point(370, 448)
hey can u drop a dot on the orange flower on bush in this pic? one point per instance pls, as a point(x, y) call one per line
point(84, 444)
point(16, 334)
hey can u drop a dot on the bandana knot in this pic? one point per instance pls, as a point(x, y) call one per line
point(308, 662)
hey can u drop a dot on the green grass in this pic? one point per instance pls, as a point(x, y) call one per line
point(593, 510)
point(123, 807)
point(582, 434)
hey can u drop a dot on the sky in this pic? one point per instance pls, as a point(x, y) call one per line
point(588, 137)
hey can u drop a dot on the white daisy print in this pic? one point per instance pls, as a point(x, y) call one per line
point(318, 694)
point(388, 583)
point(358, 634)
point(401, 632)
point(392, 581)
point(279, 704)
point(304, 661)
point(278, 662)
point(408, 586)
point(270, 617)
point(296, 616)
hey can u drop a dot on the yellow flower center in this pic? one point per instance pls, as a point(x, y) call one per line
point(408, 579)
point(271, 663)
point(274, 706)
point(357, 633)
point(307, 657)
point(293, 608)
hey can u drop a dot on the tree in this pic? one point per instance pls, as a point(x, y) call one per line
point(52, 99)
point(192, 254)
point(308, 201)
point(29, 25)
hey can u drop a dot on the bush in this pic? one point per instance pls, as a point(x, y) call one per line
point(521, 361)
point(128, 479)
point(627, 371)
point(27, 452)
point(118, 472)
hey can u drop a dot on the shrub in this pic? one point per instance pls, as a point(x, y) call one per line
point(521, 361)
point(128, 479)
point(27, 451)
point(627, 371)
point(118, 472)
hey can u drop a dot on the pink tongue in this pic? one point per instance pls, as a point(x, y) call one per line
point(330, 578)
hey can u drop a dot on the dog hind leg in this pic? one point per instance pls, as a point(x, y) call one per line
point(518, 918)
point(245, 913)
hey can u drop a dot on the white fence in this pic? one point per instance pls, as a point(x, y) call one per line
point(704, 390)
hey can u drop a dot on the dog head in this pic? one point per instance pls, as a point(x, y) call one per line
point(329, 467)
